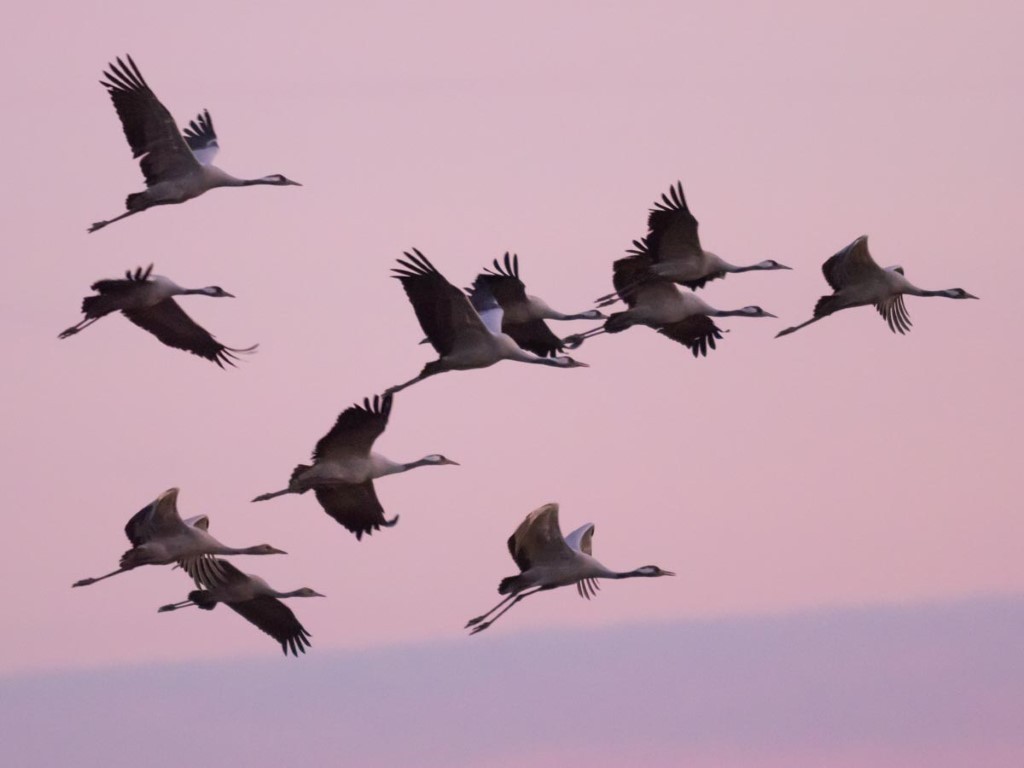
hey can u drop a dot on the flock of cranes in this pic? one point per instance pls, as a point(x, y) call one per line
point(493, 320)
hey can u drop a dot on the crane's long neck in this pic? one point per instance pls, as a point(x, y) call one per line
point(222, 549)
point(553, 314)
point(913, 290)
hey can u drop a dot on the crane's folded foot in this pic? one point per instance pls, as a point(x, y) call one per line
point(572, 342)
point(480, 628)
point(84, 582)
point(473, 622)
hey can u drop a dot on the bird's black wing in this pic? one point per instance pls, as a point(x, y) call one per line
point(277, 620)
point(851, 265)
point(673, 229)
point(201, 138)
point(535, 336)
point(354, 506)
point(503, 282)
point(630, 272)
point(356, 429)
point(443, 310)
point(697, 332)
point(118, 286)
point(158, 518)
point(169, 323)
point(147, 124)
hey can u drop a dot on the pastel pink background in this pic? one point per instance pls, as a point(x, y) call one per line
point(842, 466)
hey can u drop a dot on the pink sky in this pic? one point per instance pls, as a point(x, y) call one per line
point(842, 465)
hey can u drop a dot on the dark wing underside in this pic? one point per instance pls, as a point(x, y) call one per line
point(277, 620)
point(120, 287)
point(503, 282)
point(158, 518)
point(535, 336)
point(541, 535)
point(354, 506)
point(673, 229)
point(851, 265)
point(697, 333)
point(356, 429)
point(169, 323)
point(631, 271)
point(147, 124)
point(444, 312)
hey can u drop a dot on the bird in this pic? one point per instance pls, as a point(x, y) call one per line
point(524, 315)
point(177, 166)
point(466, 335)
point(675, 251)
point(160, 537)
point(254, 600)
point(547, 560)
point(656, 302)
point(857, 280)
point(147, 300)
point(344, 468)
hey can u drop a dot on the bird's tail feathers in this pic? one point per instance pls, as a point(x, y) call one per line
point(619, 321)
point(202, 599)
point(299, 469)
point(99, 305)
point(136, 202)
point(511, 584)
point(827, 305)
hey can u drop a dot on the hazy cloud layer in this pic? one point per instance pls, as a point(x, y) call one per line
point(918, 685)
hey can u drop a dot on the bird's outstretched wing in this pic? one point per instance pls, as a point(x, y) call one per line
point(503, 282)
point(582, 539)
point(157, 519)
point(356, 429)
point(277, 620)
point(851, 265)
point(673, 229)
point(444, 312)
point(147, 124)
point(118, 286)
point(535, 336)
point(169, 323)
point(538, 538)
point(354, 506)
point(697, 332)
point(895, 313)
point(201, 138)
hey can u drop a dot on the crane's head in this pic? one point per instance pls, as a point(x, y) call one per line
point(652, 570)
point(266, 549)
point(753, 311)
point(770, 264)
point(217, 292)
point(437, 459)
point(590, 314)
point(306, 592)
point(277, 180)
point(957, 293)
point(567, 362)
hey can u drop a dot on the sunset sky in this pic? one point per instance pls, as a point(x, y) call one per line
point(842, 479)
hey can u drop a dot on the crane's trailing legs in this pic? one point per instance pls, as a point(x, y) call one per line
point(76, 328)
point(87, 582)
point(574, 341)
point(479, 625)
